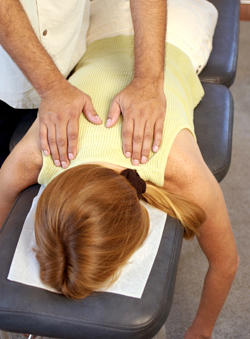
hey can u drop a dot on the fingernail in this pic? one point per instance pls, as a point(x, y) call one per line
point(97, 118)
point(135, 162)
point(57, 163)
point(71, 156)
point(155, 149)
point(45, 152)
point(144, 159)
point(128, 155)
point(108, 123)
point(64, 164)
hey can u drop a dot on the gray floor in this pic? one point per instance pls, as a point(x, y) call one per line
point(234, 321)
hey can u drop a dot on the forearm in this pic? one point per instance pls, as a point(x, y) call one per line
point(19, 40)
point(143, 102)
point(215, 291)
point(217, 242)
point(149, 20)
point(61, 103)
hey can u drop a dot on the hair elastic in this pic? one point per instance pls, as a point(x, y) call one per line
point(135, 180)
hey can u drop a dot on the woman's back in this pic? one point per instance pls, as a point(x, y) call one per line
point(106, 69)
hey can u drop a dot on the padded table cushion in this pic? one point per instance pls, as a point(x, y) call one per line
point(213, 120)
point(29, 309)
point(221, 66)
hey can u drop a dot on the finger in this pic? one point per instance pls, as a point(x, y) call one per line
point(147, 142)
point(127, 135)
point(62, 143)
point(158, 130)
point(137, 142)
point(43, 136)
point(90, 112)
point(113, 114)
point(72, 132)
point(53, 145)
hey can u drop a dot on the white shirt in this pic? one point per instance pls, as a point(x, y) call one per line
point(190, 25)
point(61, 26)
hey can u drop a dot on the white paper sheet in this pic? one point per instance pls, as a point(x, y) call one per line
point(132, 280)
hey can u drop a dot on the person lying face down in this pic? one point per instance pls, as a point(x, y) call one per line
point(89, 219)
point(99, 199)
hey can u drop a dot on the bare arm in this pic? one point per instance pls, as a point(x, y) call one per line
point(61, 103)
point(149, 21)
point(143, 102)
point(20, 170)
point(186, 174)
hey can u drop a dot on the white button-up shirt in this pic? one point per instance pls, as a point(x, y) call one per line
point(61, 26)
point(190, 25)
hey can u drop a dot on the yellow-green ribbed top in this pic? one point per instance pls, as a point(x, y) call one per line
point(105, 69)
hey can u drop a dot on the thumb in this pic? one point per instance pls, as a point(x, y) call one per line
point(113, 114)
point(90, 112)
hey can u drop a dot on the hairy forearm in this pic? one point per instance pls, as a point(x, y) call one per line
point(149, 20)
point(19, 40)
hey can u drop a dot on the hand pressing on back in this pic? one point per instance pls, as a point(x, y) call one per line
point(59, 114)
point(143, 107)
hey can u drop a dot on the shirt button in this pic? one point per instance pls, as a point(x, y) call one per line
point(45, 32)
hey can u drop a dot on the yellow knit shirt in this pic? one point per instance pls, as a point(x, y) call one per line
point(105, 69)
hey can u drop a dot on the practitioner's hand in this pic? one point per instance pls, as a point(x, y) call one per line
point(59, 114)
point(143, 106)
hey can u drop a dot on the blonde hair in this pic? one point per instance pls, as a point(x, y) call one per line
point(88, 223)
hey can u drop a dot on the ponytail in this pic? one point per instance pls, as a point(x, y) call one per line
point(188, 213)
